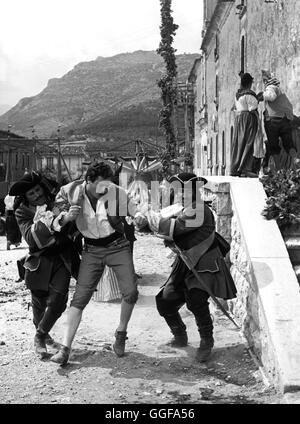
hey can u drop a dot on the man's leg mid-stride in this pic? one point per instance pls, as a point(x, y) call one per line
point(73, 321)
point(121, 262)
point(121, 331)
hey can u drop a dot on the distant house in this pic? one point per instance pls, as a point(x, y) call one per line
point(72, 157)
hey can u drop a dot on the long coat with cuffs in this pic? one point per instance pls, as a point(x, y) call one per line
point(205, 249)
point(44, 245)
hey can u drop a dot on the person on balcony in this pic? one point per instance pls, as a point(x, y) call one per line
point(278, 117)
point(247, 146)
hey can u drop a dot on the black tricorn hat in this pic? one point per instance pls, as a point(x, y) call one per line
point(186, 177)
point(26, 183)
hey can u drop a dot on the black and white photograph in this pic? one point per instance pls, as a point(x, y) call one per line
point(150, 205)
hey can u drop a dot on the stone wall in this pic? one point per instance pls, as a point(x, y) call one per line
point(219, 193)
point(268, 300)
point(247, 308)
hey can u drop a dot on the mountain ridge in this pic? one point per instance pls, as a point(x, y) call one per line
point(114, 97)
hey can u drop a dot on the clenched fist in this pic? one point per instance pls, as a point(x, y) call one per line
point(72, 213)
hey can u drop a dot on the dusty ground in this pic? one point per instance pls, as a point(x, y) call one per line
point(151, 372)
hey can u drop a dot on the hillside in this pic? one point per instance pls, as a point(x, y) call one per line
point(115, 97)
point(4, 108)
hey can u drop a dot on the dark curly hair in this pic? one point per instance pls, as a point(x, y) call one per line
point(99, 169)
point(246, 80)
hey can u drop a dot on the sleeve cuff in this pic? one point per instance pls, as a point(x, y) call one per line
point(57, 222)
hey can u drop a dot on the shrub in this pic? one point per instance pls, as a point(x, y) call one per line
point(283, 203)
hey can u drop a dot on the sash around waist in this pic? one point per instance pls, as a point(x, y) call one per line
point(105, 240)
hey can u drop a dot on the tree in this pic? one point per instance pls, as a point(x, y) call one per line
point(167, 83)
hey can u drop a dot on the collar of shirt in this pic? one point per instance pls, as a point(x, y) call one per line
point(91, 223)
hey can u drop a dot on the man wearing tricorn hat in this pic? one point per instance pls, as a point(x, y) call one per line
point(189, 225)
point(52, 257)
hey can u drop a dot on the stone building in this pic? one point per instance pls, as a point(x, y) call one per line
point(240, 35)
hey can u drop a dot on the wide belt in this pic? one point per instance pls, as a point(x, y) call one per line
point(105, 241)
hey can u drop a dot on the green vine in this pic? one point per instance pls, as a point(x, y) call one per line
point(166, 83)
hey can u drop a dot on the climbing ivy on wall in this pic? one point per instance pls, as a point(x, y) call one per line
point(167, 82)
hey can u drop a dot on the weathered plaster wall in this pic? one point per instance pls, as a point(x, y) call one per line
point(228, 70)
point(272, 41)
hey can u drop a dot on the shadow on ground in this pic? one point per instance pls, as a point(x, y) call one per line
point(154, 279)
point(184, 371)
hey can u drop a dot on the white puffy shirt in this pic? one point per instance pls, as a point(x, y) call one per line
point(271, 93)
point(246, 102)
point(93, 224)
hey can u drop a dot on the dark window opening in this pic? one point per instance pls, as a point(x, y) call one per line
point(210, 153)
point(217, 150)
point(223, 154)
point(243, 54)
point(223, 149)
point(217, 92)
point(217, 48)
point(231, 136)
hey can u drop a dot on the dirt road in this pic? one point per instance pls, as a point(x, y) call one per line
point(151, 371)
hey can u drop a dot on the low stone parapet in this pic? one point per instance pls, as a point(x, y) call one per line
point(268, 299)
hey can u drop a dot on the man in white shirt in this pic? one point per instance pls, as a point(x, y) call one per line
point(278, 116)
point(102, 208)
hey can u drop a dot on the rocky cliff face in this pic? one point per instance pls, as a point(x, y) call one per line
point(115, 96)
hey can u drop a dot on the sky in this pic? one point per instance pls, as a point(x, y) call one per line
point(43, 39)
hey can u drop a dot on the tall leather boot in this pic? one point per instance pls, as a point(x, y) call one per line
point(38, 313)
point(40, 344)
point(205, 328)
point(49, 319)
point(178, 329)
point(205, 348)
